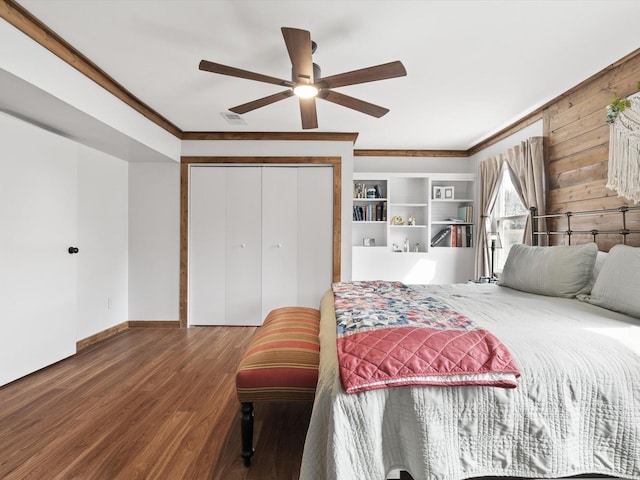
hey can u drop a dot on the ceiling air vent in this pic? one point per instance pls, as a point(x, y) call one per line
point(233, 118)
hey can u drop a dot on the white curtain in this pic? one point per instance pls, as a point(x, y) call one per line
point(624, 152)
point(489, 174)
point(526, 166)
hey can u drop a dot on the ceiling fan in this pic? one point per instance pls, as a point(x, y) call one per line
point(307, 83)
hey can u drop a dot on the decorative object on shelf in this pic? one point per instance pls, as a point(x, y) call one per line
point(395, 248)
point(417, 247)
point(369, 242)
point(406, 244)
point(397, 220)
point(494, 242)
point(359, 190)
point(371, 193)
point(411, 221)
point(437, 193)
point(624, 149)
point(448, 193)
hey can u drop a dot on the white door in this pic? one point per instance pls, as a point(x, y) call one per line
point(38, 172)
point(279, 238)
point(225, 246)
point(207, 240)
point(244, 246)
point(315, 234)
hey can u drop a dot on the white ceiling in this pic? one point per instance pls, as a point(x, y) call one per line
point(473, 67)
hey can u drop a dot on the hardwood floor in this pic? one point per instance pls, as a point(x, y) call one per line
point(147, 403)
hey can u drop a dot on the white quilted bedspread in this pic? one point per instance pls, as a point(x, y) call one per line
point(576, 409)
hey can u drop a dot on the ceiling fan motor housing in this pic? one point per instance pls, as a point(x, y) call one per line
point(317, 73)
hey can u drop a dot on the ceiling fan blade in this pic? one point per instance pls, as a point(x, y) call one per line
point(261, 102)
point(353, 103)
point(308, 113)
point(364, 75)
point(299, 47)
point(237, 72)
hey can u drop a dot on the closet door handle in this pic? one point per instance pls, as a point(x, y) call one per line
point(279, 245)
point(73, 250)
point(243, 245)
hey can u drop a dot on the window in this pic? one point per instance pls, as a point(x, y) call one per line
point(508, 218)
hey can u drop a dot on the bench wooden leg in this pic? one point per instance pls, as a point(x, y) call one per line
point(246, 431)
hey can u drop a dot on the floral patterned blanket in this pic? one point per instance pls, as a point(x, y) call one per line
point(390, 334)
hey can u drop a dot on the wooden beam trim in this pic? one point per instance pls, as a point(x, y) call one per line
point(257, 160)
point(304, 136)
point(409, 153)
point(20, 18)
point(187, 161)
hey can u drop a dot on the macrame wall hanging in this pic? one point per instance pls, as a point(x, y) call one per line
point(624, 151)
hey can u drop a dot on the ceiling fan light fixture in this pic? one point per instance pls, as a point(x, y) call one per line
point(305, 90)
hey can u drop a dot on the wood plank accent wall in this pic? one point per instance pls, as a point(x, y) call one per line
point(577, 149)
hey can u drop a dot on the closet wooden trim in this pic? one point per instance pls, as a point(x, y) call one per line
point(186, 162)
point(311, 136)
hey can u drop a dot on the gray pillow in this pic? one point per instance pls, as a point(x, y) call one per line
point(617, 286)
point(560, 271)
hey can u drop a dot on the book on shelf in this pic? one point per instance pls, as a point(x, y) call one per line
point(462, 236)
point(370, 213)
point(439, 237)
point(454, 236)
point(465, 214)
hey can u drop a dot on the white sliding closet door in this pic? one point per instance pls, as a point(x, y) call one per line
point(244, 247)
point(260, 238)
point(315, 234)
point(225, 246)
point(279, 238)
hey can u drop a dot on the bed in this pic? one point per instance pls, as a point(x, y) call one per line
point(575, 409)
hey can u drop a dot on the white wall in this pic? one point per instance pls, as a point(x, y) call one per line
point(414, 164)
point(102, 276)
point(154, 241)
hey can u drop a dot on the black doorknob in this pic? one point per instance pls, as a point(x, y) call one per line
point(73, 250)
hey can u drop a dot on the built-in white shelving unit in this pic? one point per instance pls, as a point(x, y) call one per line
point(397, 217)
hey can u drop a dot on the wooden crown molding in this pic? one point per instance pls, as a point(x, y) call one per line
point(20, 18)
point(410, 153)
point(312, 136)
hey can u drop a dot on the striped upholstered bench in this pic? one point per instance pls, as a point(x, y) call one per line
point(280, 365)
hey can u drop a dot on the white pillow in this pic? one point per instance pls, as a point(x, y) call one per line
point(618, 284)
point(597, 266)
point(560, 271)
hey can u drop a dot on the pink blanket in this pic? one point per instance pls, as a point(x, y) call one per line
point(390, 334)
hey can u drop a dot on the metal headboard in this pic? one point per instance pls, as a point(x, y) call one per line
point(622, 211)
